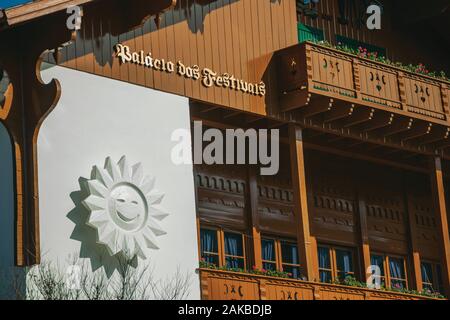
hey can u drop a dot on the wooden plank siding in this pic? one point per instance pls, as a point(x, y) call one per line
point(228, 36)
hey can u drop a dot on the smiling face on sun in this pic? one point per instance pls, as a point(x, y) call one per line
point(128, 207)
point(125, 208)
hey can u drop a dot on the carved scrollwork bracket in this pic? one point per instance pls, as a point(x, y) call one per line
point(26, 104)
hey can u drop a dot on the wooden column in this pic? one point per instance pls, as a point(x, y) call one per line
point(364, 233)
point(254, 221)
point(438, 193)
point(307, 246)
point(414, 251)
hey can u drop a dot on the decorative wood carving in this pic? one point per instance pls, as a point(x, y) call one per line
point(386, 216)
point(221, 197)
point(6, 94)
point(332, 72)
point(423, 96)
point(276, 210)
point(224, 285)
point(28, 102)
point(423, 217)
point(333, 200)
point(379, 85)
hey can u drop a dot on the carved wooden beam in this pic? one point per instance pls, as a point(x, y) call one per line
point(339, 112)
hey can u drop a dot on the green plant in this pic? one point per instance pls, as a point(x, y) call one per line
point(364, 53)
point(262, 272)
point(353, 282)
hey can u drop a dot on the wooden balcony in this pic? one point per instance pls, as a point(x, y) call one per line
point(339, 90)
point(224, 285)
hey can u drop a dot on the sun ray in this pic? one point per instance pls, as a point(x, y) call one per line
point(138, 174)
point(94, 203)
point(155, 227)
point(147, 184)
point(157, 212)
point(155, 198)
point(124, 168)
point(149, 239)
point(98, 188)
point(112, 169)
point(98, 218)
point(100, 175)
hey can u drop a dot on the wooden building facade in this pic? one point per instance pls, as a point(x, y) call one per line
point(364, 160)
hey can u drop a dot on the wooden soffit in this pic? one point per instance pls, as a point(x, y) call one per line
point(37, 9)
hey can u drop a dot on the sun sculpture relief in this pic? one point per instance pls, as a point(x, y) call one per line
point(124, 208)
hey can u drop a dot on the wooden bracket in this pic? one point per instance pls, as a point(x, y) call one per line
point(28, 102)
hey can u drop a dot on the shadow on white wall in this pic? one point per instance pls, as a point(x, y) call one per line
point(9, 275)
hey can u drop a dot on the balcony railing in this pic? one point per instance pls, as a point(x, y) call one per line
point(225, 285)
point(307, 70)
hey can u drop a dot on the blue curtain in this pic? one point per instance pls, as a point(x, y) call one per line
point(232, 244)
point(396, 268)
point(378, 261)
point(324, 258)
point(289, 252)
point(427, 274)
point(346, 261)
point(268, 250)
point(208, 243)
point(324, 263)
point(268, 254)
point(233, 247)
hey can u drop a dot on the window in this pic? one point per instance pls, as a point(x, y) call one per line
point(377, 260)
point(222, 248)
point(269, 257)
point(234, 250)
point(432, 277)
point(280, 255)
point(398, 273)
point(209, 246)
point(393, 270)
point(335, 263)
point(289, 258)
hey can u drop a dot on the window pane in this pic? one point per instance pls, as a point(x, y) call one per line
point(235, 263)
point(378, 261)
point(344, 261)
point(325, 276)
point(233, 244)
point(213, 259)
point(269, 266)
point(208, 245)
point(268, 250)
point(208, 239)
point(397, 268)
point(398, 284)
point(295, 271)
point(289, 253)
point(324, 258)
point(439, 279)
point(427, 273)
